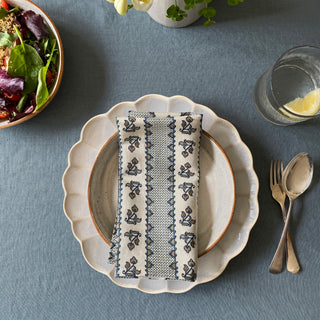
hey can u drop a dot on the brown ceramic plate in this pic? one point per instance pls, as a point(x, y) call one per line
point(216, 192)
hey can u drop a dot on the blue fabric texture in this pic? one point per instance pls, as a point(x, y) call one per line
point(110, 59)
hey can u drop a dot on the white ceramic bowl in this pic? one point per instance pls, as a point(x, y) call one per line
point(28, 5)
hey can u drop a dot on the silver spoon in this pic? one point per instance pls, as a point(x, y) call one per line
point(296, 179)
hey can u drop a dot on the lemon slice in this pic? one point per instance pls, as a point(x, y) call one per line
point(307, 106)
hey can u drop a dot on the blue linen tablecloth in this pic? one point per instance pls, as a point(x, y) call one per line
point(109, 59)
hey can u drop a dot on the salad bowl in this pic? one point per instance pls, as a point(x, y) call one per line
point(27, 5)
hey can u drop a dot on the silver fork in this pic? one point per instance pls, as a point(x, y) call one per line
point(276, 170)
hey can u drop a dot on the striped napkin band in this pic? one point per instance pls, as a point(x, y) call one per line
point(155, 233)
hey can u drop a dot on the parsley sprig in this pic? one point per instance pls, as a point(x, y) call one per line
point(175, 13)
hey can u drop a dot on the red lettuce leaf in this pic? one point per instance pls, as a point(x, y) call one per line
point(17, 116)
point(34, 22)
point(10, 85)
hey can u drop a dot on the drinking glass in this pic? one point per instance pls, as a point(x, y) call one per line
point(295, 74)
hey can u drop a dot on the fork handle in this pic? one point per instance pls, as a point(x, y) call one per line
point(292, 261)
point(277, 261)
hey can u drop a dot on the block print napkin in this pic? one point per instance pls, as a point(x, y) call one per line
point(155, 233)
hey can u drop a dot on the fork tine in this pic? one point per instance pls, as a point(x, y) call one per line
point(278, 171)
point(271, 173)
point(281, 174)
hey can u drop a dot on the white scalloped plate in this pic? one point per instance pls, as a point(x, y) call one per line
point(84, 153)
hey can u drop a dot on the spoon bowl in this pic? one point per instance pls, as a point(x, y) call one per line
point(298, 175)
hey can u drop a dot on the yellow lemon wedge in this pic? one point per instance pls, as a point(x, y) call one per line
point(307, 106)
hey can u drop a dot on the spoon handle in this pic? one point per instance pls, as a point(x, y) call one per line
point(292, 261)
point(277, 261)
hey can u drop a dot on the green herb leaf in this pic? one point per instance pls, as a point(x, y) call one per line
point(175, 13)
point(208, 23)
point(208, 12)
point(4, 12)
point(171, 11)
point(42, 90)
point(189, 4)
point(7, 39)
point(234, 2)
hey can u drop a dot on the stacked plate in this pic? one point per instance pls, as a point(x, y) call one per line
point(228, 205)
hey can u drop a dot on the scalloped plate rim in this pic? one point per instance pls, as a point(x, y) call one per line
point(246, 226)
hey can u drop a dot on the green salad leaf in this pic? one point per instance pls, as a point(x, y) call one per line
point(44, 45)
point(55, 53)
point(22, 102)
point(25, 62)
point(42, 90)
point(4, 12)
point(7, 39)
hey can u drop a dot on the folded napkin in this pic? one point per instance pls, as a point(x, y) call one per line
point(155, 233)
